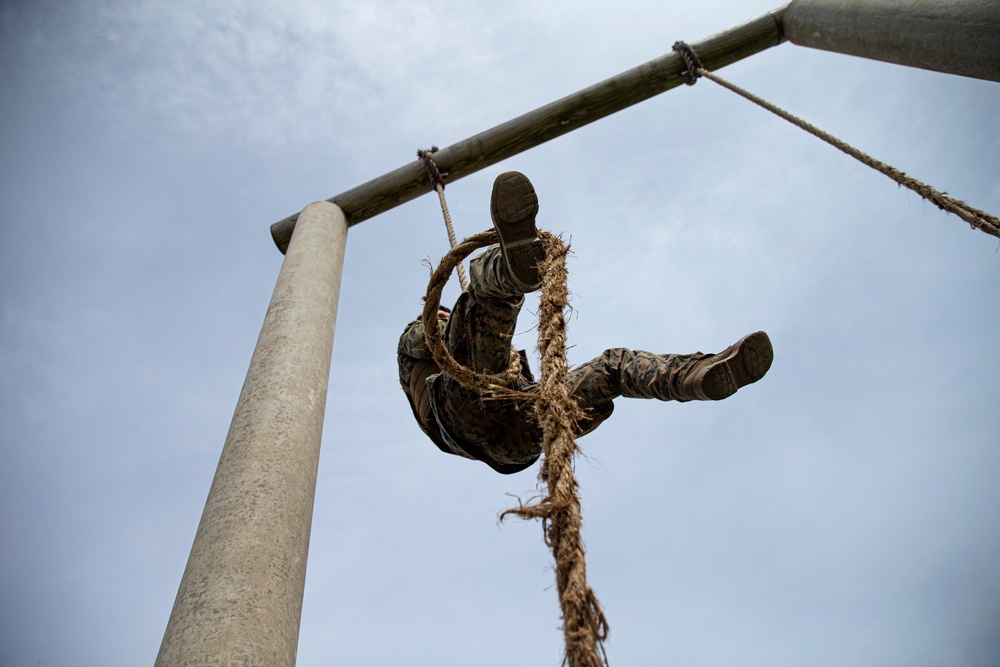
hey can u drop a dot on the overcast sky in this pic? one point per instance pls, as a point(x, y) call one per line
point(843, 511)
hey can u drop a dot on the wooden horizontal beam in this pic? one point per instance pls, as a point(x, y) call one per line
point(548, 122)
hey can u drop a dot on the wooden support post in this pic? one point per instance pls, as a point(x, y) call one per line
point(240, 599)
point(548, 122)
point(952, 36)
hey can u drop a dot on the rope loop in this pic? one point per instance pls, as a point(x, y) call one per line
point(691, 62)
point(483, 382)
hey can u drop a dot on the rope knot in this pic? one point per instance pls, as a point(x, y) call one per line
point(433, 173)
point(691, 62)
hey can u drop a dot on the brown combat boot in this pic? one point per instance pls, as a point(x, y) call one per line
point(719, 376)
point(513, 207)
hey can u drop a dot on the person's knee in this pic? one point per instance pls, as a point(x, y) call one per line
point(614, 357)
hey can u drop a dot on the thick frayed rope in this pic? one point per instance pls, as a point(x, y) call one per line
point(976, 218)
point(584, 625)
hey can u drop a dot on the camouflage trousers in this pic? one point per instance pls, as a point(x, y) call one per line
point(479, 334)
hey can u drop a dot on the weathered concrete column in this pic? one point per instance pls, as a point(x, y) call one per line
point(240, 599)
point(952, 36)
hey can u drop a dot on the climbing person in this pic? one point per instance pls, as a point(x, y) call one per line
point(504, 433)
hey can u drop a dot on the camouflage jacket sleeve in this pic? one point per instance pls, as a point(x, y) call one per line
point(412, 348)
point(412, 343)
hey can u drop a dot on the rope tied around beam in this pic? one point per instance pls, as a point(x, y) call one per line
point(584, 625)
point(437, 180)
point(691, 62)
point(976, 218)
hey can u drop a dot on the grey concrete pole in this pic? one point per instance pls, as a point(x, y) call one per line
point(240, 599)
point(952, 36)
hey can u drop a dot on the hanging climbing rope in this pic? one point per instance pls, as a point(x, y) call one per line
point(976, 218)
point(584, 625)
point(437, 181)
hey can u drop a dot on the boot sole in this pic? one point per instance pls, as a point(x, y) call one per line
point(513, 208)
point(745, 363)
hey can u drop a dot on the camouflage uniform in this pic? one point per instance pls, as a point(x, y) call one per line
point(504, 433)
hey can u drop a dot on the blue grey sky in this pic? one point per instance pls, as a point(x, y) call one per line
point(843, 511)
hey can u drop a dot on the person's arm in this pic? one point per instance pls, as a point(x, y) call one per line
point(412, 343)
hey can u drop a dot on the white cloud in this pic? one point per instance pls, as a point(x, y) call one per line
point(273, 73)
